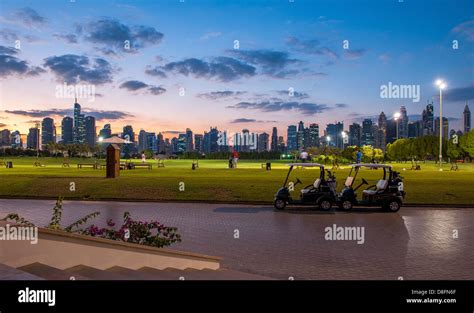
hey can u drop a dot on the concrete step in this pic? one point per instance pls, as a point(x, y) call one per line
point(94, 273)
point(49, 272)
point(11, 273)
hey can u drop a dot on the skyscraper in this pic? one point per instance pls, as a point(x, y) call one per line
point(355, 133)
point(414, 129)
point(79, 132)
point(313, 135)
point(91, 135)
point(381, 132)
point(67, 130)
point(291, 140)
point(403, 123)
point(262, 144)
point(48, 132)
point(105, 132)
point(151, 142)
point(128, 133)
point(181, 143)
point(16, 140)
point(189, 140)
point(428, 120)
point(445, 128)
point(160, 142)
point(32, 140)
point(300, 136)
point(367, 137)
point(334, 132)
point(274, 144)
point(5, 137)
point(466, 119)
point(142, 141)
point(199, 143)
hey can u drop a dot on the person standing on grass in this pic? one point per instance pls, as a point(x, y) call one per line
point(303, 156)
point(235, 158)
point(143, 158)
point(358, 156)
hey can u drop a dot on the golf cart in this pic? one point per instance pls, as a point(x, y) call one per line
point(321, 193)
point(388, 193)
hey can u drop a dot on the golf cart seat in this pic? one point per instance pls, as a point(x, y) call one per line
point(381, 186)
point(349, 181)
point(316, 184)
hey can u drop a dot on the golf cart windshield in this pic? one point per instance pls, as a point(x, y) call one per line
point(292, 165)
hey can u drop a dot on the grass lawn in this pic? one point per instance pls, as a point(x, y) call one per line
point(213, 181)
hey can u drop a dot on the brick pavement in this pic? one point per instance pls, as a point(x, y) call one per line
point(415, 243)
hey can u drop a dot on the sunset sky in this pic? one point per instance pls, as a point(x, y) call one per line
point(191, 45)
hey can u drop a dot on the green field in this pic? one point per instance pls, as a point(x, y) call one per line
point(213, 181)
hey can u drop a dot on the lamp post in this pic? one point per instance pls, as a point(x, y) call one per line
point(343, 134)
point(100, 147)
point(441, 85)
point(396, 116)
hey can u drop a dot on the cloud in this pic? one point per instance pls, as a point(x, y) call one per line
point(3, 125)
point(210, 35)
point(134, 85)
point(111, 35)
point(155, 72)
point(354, 54)
point(72, 69)
point(215, 95)
point(465, 29)
point(459, 94)
point(98, 114)
point(276, 106)
point(272, 63)
point(385, 58)
point(69, 38)
point(312, 46)
point(341, 105)
point(174, 132)
point(29, 17)
point(249, 120)
point(220, 68)
point(296, 94)
point(8, 35)
point(11, 65)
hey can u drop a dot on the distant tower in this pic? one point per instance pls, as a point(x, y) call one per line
point(274, 144)
point(403, 124)
point(467, 119)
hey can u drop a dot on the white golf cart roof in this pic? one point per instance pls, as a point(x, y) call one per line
point(306, 164)
point(370, 165)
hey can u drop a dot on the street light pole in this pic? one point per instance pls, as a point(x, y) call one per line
point(396, 116)
point(441, 85)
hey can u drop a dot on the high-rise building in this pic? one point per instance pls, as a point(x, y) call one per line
point(391, 131)
point(105, 132)
point(142, 141)
point(300, 136)
point(91, 135)
point(174, 145)
point(445, 128)
point(415, 129)
point(262, 144)
point(355, 133)
point(16, 140)
point(291, 139)
point(182, 143)
point(5, 137)
point(281, 144)
point(67, 130)
point(403, 123)
point(313, 135)
point(428, 120)
point(32, 140)
point(189, 140)
point(48, 132)
point(128, 134)
point(367, 137)
point(334, 132)
point(274, 144)
point(380, 132)
point(151, 142)
point(79, 132)
point(466, 119)
point(199, 143)
point(160, 142)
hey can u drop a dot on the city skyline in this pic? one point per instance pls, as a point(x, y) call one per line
point(288, 64)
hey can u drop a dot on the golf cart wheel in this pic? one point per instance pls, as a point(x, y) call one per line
point(325, 204)
point(346, 205)
point(393, 205)
point(279, 204)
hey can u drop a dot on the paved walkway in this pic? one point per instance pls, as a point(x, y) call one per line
point(415, 243)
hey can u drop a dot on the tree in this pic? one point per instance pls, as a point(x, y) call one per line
point(466, 143)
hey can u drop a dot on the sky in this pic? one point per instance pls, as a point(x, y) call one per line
point(165, 66)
